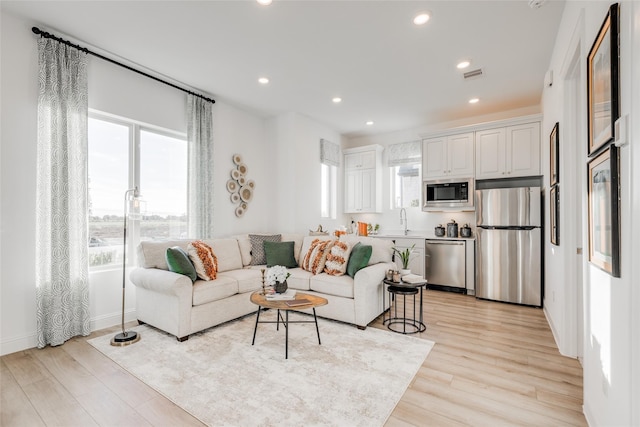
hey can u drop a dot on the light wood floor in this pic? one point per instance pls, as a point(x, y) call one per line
point(493, 364)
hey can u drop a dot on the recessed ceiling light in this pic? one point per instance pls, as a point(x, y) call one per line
point(264, 2)
point(337, 100)
point(421, 18)
point(463, 64)
point(369, 123)
point(263, 80)
point(474, 100)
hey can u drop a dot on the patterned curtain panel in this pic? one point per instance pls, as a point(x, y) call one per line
point(200, 167)
point(406, 153)
point(329, 153)
point(62, 270)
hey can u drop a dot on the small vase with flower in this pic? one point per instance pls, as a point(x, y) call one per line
point(277, 277)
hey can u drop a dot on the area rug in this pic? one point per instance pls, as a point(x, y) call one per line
point(355, 378)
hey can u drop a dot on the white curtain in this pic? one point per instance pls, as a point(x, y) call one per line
point(329, 153)
point(200, 167)
point(62, 270)
point(405, 153)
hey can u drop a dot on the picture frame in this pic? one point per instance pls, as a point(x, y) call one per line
point(602, 84)
point(554, 155)
point(604, 211)
point(554, 206)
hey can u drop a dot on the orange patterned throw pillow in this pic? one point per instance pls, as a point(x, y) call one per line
point(315, 258)
point(204, 260)
point(338, 258)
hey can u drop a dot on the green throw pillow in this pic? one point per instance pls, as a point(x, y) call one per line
point(280, 253)
point(179, 262)
point(360, 256)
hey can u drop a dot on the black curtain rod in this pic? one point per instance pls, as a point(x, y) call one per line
point(41, 33)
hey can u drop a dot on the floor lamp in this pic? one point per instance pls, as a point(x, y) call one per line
point(126, 337)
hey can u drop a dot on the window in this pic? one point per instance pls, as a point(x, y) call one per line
point(124, 154)
point(328, 191)
point(329, 162)
point(163, 184)
point(405, 163)
point(405, 186)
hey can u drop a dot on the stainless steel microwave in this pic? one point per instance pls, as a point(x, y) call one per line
point(448, 194)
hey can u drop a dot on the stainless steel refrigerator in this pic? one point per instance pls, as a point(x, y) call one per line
point(509, 239)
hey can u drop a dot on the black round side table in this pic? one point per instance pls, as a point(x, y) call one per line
point(401, 322)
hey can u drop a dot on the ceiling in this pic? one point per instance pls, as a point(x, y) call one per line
point(385, 68)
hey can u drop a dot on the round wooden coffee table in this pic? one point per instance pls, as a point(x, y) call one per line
point(302, 301)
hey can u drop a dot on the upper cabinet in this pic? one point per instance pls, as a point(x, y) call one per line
point(448, 156)
point(506, 152)
point(363, 179)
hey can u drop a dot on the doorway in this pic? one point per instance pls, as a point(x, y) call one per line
point(572, 155)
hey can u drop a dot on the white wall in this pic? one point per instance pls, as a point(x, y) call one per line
point(117, 91)
point(296, 139)
point(611, 325)
point(19, 127)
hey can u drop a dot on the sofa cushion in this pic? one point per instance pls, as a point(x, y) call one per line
point(214, 290)
point(151, 254)
point(204, 260)
point(228, 253)
point(279, 253)
point(381, 249)
point(179, 262)
point(249, 280)
point(257, 247)
point(359, 258)
point(338, 258)
point(245, 245)
point(299, 279)
point(245, 248)
point(315, 258)
point(297, 244)
point(341, 286)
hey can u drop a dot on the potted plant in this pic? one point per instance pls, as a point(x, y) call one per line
point(405, 257)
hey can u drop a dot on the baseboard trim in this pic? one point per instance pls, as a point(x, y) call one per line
point(112, 319)
point(15, 344)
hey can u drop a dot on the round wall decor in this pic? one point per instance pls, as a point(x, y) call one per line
point(239, 187)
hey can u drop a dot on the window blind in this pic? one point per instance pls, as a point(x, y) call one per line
point(329, 153)
point(405, 153)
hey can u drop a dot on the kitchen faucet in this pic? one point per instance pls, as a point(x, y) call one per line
point(406, 229)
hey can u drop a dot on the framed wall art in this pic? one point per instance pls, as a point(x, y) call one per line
point(604, 211)
point(554, 155)
point(602, 83)
point(554, 206)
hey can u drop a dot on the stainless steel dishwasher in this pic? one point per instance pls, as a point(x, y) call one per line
point(445, 264)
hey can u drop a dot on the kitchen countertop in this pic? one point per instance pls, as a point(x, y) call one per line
point(420, 236)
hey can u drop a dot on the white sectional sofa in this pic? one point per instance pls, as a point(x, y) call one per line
point(173, 303)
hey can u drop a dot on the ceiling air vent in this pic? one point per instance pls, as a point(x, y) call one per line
point(473, 73)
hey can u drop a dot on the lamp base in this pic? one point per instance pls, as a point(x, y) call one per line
point(125, 338)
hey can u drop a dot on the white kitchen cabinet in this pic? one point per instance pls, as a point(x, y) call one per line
point(448, 156)
point(360, 191)
point(508, 152)
point(361, 160)
point(363, 179)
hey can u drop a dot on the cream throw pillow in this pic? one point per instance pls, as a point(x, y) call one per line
point(315, 258)
point(338, 258)
point(204, 260)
